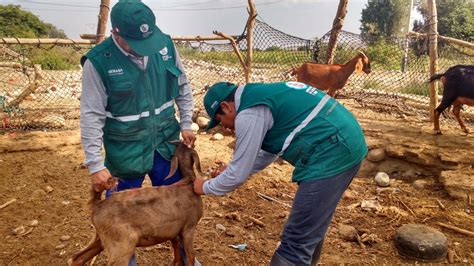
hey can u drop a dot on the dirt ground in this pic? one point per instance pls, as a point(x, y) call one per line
point(43, 172)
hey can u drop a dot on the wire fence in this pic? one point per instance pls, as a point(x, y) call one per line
point(43, 98)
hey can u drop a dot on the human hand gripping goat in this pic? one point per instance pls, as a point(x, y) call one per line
point(213, 172)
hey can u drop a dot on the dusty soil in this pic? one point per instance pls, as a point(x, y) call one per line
point(34, 163)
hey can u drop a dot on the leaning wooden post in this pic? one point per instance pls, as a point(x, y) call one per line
point(433, 40)
point(250, 25)
point(30, 89)
point(102, 24)
point(336, 29)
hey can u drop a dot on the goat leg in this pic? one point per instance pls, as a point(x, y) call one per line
point(332, 92)
point(457, 114)
point(93, 248)
point(188, 239)
point(177, 257)
point(436, 122)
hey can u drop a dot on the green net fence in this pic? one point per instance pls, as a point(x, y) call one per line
point(36, 95)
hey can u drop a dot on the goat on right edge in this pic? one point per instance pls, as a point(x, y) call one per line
point(458, 83)
point(331, 77)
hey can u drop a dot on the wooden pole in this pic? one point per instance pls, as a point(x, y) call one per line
point(234, 46)
point(102, 23)
point(250, 25)
point(44, 41)
point(407, 40)
point(30, 89)
point(446, 39)
point(336, 29)
point(433, 41)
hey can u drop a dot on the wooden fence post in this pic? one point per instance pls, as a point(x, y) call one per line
point(433, 41)
point(336, 29)
point(250, 25)
point(103, 18)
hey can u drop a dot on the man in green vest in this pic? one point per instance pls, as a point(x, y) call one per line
point(305, 127)
point(131, 82)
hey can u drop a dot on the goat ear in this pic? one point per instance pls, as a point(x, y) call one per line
point(359, 65)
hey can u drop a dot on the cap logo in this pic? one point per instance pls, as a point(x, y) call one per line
point(214, 104)
point(144, 28)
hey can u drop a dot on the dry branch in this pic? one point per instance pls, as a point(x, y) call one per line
point(234, 46)
point(441, 205)
point(257, 221)
point(263, 196)
point(457, 229)
point(7, 203)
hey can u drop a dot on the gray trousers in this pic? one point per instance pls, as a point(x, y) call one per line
point(313, 208)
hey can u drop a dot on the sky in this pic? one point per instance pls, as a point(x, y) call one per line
point(302, 18)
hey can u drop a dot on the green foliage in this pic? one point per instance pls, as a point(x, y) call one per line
point(455, 18)
point(384, 18)
point(417, 89)
point(15, 22)
point(372, 85)
point(57, 58)
point(385, 55)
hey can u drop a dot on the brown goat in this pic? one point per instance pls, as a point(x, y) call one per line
point(147, 216)
point(331, 77)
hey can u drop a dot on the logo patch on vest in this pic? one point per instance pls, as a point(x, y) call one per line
point(115, 72)
point(164, 51)
point(311, 90)
point(296, 85)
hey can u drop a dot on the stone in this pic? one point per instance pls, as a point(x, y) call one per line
point(194, 127)
point(217, 136)
point(49, 189)
point(382, 179)
point(421, 242)
point(420, 184)
point(34, 223)
point(65, 238)
point(459, 183)
point(220, 227)
point(347, 232)
point(376, 155)
point(202, 121)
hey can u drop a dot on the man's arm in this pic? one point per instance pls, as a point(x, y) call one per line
point(251, 126)
point(93, 102)
point(184, 100)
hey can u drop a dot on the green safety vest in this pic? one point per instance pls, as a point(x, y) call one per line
point(311, 130)
point(140, 116)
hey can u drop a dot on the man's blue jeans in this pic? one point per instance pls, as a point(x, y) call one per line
point(313, 207)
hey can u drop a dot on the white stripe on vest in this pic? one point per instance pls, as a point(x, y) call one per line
point(129, 118)
point(304, 123)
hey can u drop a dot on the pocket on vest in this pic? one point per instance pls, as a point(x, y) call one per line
point(128, 155)
point(122, 100)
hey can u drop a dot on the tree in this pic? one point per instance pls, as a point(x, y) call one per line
point(455, 18)
point(384, 18)
point(15, 22)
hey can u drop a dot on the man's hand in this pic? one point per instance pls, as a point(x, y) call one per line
point(199, 186)
point(188, 138)
point(102, 180)
point(220, 168)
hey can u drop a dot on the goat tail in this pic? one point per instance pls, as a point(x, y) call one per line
point(435, 77)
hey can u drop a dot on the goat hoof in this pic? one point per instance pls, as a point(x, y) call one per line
point(438, 132)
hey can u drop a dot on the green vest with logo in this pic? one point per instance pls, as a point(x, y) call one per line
point(140, 116)
point(311, 130)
